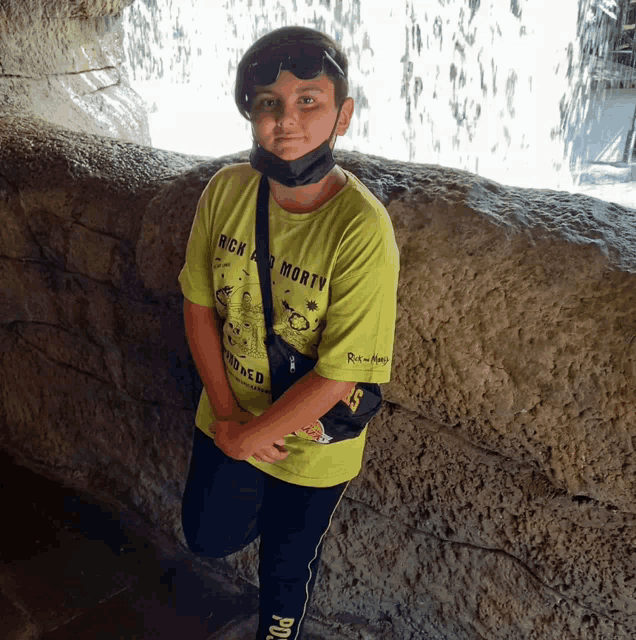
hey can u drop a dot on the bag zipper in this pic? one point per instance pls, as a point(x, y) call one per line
point(292, 364)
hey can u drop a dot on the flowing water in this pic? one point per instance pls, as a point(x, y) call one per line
point(496, 87)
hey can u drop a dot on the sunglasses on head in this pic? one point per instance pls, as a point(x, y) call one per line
point(307, 64)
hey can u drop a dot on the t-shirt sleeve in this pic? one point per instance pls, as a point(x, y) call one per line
point(196, 275)
point(357, 341)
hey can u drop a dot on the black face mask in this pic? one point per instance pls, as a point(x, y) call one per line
point(308, 169)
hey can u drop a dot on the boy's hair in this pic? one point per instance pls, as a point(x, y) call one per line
point(279, 41)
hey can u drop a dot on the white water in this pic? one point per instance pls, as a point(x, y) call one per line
point(433, 81)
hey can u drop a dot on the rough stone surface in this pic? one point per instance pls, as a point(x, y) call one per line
point(63, 8)
point(62, 61)
point(497, 496)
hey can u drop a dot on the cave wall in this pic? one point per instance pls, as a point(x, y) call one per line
point(497, 495)
point(62, 61)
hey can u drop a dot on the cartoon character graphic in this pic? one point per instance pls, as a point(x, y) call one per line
point(222, 296)
point(245, 324)
point(294, 328)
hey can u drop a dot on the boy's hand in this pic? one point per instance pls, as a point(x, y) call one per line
point(272, 453)
point(228, 438)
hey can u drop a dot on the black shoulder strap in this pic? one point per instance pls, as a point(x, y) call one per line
point(262, 254)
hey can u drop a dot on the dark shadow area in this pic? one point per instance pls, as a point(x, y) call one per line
point(71, 568)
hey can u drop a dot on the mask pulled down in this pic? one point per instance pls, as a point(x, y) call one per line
point(308, 169)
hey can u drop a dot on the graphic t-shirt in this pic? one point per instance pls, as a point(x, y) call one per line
point(334, 275)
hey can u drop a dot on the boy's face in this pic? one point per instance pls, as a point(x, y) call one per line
point(292, 117)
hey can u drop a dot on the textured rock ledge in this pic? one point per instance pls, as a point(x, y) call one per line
point(497, 498)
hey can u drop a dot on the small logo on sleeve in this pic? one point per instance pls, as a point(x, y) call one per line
point(353, 358)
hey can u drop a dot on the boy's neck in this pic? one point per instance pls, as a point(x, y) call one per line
point(308, 197)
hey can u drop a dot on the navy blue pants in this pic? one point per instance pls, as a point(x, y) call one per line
point(228, 503)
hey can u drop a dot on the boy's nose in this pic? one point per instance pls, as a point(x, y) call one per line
point(286, 117)
point(287, 127)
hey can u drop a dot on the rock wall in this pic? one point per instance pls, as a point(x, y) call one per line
point(497, 496)
point(62, 61)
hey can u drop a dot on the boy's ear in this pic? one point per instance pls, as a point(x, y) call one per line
point(346, 113)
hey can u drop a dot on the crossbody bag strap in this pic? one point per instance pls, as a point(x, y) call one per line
point(262, 255)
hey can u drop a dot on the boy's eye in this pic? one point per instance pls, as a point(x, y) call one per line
point(266, 101)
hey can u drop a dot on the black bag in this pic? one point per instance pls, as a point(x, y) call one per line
point(286, 364)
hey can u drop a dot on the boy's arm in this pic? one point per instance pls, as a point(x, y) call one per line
point(302, 404)
point(203, 330)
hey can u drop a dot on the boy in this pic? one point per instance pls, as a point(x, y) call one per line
point(271, 468)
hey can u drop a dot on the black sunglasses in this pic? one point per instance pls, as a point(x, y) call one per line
point(306, 65)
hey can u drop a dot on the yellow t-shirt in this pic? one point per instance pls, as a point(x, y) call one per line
point(334, 278)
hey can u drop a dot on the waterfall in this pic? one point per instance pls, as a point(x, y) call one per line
point(490, 86)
